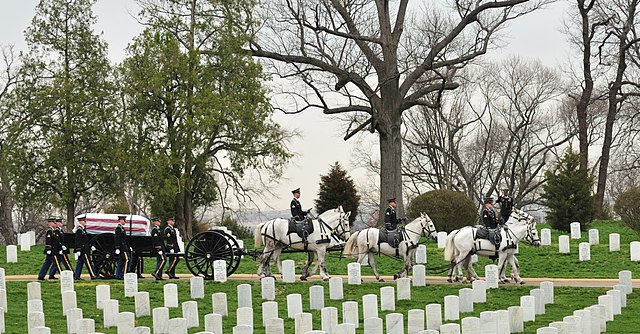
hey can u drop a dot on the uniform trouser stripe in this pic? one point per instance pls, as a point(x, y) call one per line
point(126, 261)
point(159, 269)
point(174, 261)
point(66, 260)
point(55, 258)
point(86, 258)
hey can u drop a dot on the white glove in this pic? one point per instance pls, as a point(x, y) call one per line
point(93, 248)
point(117, 252)
point(160, 252)
point(64, 248)
point(60, 252)
point(77, 254)
point(48, 252)
point(171, 251)
point(131, 249)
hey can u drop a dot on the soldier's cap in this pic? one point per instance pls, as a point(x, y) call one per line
point(51, 220)
point(171, 218)
point(488, 200)
point(81, 218)
point(122, 217)
point(155, 219)
point(393, 199)
point(58, 220)
point(295, 191)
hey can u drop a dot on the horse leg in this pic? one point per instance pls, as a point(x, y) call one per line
point(321, 253)
point(261, 272)
point(305, 270)
point(515, 269)
point(372, 264)
point(474, 275)
point(502, 264)
point(465, 265)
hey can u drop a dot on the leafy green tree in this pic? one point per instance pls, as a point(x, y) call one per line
point(628, 207)
point(199, 112)
point(448, 209)
point(567, 193)
point(67, 96)
point(337, 188)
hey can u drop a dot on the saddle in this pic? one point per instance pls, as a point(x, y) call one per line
point(393, 237)
point(302, 228)
point(493, 235)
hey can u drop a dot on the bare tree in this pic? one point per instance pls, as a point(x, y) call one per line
point(374, 60)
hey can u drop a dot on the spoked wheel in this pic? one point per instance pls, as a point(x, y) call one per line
point(209, 246)
point(103, 259)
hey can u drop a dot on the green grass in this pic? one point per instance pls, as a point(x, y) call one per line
point(567, 299)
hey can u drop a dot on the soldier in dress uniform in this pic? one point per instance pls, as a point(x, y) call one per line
point(158, 248)
point(296, 207)
point(61, 250)
point(506, 205)
point(82, 250)
point(122, 248)
point(390, 219)
point(171, 240)
point(488, 214)
point(49, 250)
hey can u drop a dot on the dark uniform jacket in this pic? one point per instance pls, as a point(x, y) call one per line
point(489, 218)
point(156, 239)
point(296, 210)
point(60, 240)
point(390, 220)
point(171, 239)
point(120, 239)
point(506, 205)
point(81, 241)
point(51, 241)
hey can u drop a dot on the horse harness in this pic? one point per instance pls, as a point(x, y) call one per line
point(303, 229)
point(395, 237)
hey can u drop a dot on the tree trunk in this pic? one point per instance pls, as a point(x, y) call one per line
point(585, 96)
point(188, 217)
point(391, 162)
point(71, 215)
point(6, 208)
point(606, 150)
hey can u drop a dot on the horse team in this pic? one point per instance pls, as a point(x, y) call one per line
point(331, 229)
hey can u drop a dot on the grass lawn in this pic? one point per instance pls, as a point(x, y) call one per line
point(567, 299)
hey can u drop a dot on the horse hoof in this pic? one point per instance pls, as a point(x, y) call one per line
point(521, 282)
point(449, 280)
point(395, 277)
point(380, 280)
point(326, 279)
point(302, 278)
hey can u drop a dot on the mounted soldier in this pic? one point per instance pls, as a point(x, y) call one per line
point(299, 222)
point(489, 214)
point(391, 234)
point(296, 208)
point(506, 205)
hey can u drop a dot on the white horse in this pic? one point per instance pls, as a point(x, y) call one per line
point(365, 243)
point(461, 244)
point(331, 225)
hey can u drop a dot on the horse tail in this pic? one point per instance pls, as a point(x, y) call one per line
point(351, 247)
point(450, 247)
point(257, 235)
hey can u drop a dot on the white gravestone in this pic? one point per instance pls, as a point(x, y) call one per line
point(373, 325)
point(219, 303)
point(538, 294)
point(421, 254)
point(125, 322)
point(561, 326)
point(336, 290)
point(465, 297)
point(395, 323)
point(3, 300)
point(491, 276)
point(41, 330)
point(415, 321)
point(528, 304)
point(242, 329)
point(103, 292)
point(190, 312)
point(68, 301)
point(2, 327)
point(369, 306)
point(33, 291)
point(177, 326)
point(220, 270)
point(584, 249)
point(419, 275)
point(329, 320)
point(268, 285)
point(130, 284)
point(442, 239)
point(450, 329)
point(110, 310)
point(316, 297)
point(516, 322)
point(160, 320)
point(474, 258)
point(614, 242)
point(213, 323)
point(594, 237)
point(346, 329)
point(303, 323)
point(404, 288)
point(602, 311)
point(617, 301)
point(170, 295)
point(470, 325)
point(245, 298)
point(547, 288)
point(479, 291)
point(25, 242)
point(32, 237)
point(451, 308)
point(143, 306)
point(350, 313)
point(502, 322)
point(288, 271)
point(623, 294)
point(12, 254)
point(294, 305)
point(269, 311)
point(73, 315)
point(354, 275)
point(66, 281)
point(547, 330)
point(244, 316)
point(625, 277)
point(196, 284)
point(34, 319)
point(607, 302)
point(35, 305)
point(387, 298)
point(434, 316)
point(273, 326)
point(635, 250)
point(575, 230)
point(595, 319)
point(86, 326)
point(563, 244)
point(488, 322)
point(545, 237)
point(574, 324)
point(144, 330)
point(585, 316)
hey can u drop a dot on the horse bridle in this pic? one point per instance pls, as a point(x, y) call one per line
point(426, 231)
point(530, 226)
point(339, 228)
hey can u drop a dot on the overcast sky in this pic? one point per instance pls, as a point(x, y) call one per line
point(536, 36)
